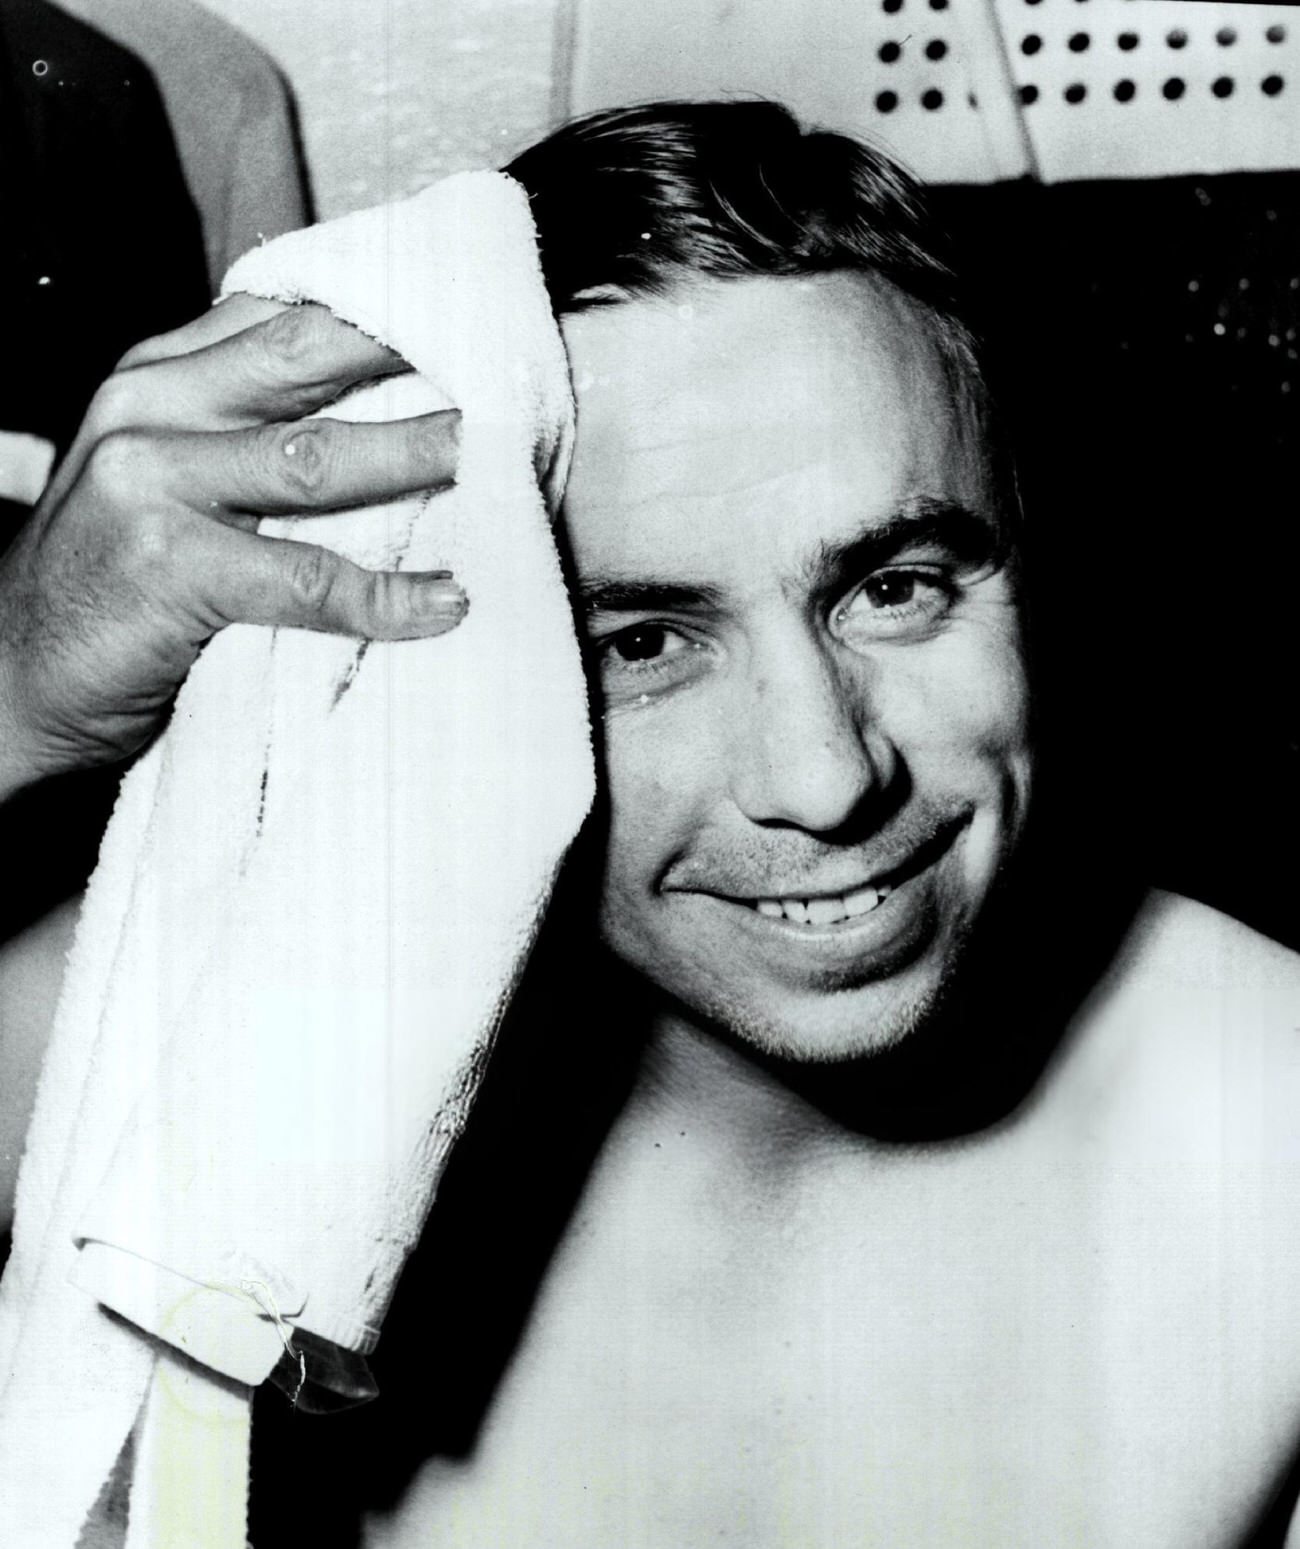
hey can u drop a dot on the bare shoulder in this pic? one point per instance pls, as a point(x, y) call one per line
point(1178, 945)
point(1192, 1038)
point(1200, 945)
point(31, 975)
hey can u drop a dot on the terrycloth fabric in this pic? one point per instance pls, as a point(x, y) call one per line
point(311, 908)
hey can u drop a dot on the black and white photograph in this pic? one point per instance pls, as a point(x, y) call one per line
point(650, 774)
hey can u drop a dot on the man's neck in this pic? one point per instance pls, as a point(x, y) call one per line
point(970, 1067)
point(695, 1079)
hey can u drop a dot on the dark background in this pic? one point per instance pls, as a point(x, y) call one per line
point(1145, 335)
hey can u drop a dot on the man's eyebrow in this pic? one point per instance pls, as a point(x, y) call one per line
point(609, 595)
point(964, 534)
point(961, 532)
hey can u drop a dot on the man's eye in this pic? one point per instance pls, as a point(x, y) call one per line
point(897, 602)
point(644, 660)
point(640, 644)
point(892, 589)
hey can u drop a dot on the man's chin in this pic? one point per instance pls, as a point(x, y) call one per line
point(826, 1027)
point(825, 994)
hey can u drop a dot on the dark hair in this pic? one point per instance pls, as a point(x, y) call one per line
point(634, 201)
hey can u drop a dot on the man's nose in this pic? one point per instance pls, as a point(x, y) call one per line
point(808, 754)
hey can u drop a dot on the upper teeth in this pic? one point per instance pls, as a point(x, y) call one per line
point(822, 911)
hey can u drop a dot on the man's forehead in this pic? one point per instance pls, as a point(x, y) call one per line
point(764, 339)
point(782, 413)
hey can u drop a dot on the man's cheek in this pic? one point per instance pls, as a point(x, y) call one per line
point(650, 797)
point(961, 707)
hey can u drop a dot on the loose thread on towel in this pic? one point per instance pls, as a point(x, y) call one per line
point(261, 801)
point(350, 676)
point(265, 1303)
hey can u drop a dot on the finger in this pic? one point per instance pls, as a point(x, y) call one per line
point(231, 315)
point(292, 363)
point(256, 580)
point(283, 366)
point(316, 465)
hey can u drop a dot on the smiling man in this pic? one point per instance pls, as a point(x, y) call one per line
point(951, 1198)
point(803, 613)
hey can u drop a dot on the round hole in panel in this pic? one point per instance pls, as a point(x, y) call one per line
point(1032, 2)
point(891, 5)
point(1028, 95)
point(936, 48)
point(1173, 88)
point(886, 101)
point(1271, 85)
point(1128, 41)
point(1177, 38)
point(1030, 43)
point(1125, 91)
point(887, 53)
point(1075, 93)
point(932, 99)
point(1225, 37)
point(1079, 43)
point(1276, 33)
point(1223, 86)
point(938, 5)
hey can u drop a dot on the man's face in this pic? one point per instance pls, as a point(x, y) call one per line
point(809, 650)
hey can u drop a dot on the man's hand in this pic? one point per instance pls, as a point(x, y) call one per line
point(143, 546)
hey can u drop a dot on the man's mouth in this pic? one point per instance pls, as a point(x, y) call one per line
point(824, 910)
point(820, 906)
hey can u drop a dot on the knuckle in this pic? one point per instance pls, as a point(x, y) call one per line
point(291, 339)
point(308, 455)
point(144, 353)
point(119, 403)
point(312, 574)
point(381, 607)
point(119, 466)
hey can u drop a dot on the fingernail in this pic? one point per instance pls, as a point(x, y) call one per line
point(438, 440)
point(440, 595)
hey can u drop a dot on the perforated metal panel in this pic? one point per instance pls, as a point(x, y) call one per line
point(977, 90)
point(1146, 88)
point(926, 77)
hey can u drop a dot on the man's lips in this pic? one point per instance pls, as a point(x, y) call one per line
point(856, 892)
point(822, 940)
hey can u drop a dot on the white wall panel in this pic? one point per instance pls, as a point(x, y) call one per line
point(977, 90)
point(1150, 88)
point(927, 79)
point(396, 93)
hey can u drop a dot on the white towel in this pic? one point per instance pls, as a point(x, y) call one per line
point(311, 908)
